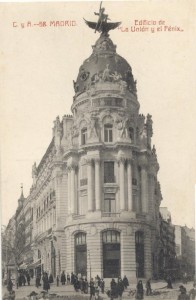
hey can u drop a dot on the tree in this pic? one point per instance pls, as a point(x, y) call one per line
point(13, 244)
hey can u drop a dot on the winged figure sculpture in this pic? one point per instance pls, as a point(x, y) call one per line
point(102, 25)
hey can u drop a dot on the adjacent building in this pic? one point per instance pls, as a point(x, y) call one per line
point(167, 250)
point(185, 249)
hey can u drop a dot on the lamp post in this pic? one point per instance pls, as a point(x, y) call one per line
point(89, 262)
point(137, 267)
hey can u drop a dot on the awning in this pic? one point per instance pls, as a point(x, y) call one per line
point(34, 264)
point(23, 266)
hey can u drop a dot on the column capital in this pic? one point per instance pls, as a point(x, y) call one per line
point(143, 161)
point(144, 166)
point(97, 160)
point(72, 166)
point(130, 160)
point(121, 159)
point(89, 161)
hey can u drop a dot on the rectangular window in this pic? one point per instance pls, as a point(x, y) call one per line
point(83, 136)
point(134, 181)
point(83, 175)
point(108, 133)
point(109, 172)
point(83, 205)
point(109, 203)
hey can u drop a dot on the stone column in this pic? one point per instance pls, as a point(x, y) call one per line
point(122, 183)
point(73, 189)
point(90, 185)
point(144, 188)
point(151, 189)
point(129, 185)
point(97, 184)
point(69, 190)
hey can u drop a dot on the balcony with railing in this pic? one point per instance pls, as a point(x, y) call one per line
point(111, 214)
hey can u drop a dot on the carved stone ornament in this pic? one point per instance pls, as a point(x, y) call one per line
point(34, 170)
point(110, 189)
point(122, 127)
point(129, 230)
point(143, 137)
point(93, 230)
point(93, 128)
point(75, 132)
point(84, 75)
point(106, 74)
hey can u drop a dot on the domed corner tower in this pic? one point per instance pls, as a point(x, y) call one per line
point(113, 196)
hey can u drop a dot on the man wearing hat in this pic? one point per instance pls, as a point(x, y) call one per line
point(183, 295)
point(192, 293)
point(32, 295)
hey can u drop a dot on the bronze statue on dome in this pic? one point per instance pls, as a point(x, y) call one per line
point(102, 25)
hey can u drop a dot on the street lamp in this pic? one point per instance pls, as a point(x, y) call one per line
point(137, 267)
point(89, 262)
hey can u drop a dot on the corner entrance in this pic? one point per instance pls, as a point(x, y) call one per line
point(111, 254)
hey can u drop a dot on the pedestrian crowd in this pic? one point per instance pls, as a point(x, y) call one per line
point(23, 278)
point(95, 286)
point(117, 288)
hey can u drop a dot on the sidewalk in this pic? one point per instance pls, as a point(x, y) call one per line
point(68, 290)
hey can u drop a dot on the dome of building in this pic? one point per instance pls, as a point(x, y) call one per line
point(104, 64)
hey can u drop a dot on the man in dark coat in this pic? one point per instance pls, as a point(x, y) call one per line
point(72, 278)
point(148, 288)
point(125, 282)
point(63, 279)
point(120, 288)
point(28, 278)
point(192, 293)
point(102, 285)
point(46, 285)
point(139, 291)
point(57, 280)
point(114, 291)
point(183, 295)
point(169, 283)
point(68, 279)
point(92, 288)
point(51, 279)
point(86, 286)
point(37, 281)
point(9, 285)
point(23, 279)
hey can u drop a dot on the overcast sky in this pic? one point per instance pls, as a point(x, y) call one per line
point(38, 65)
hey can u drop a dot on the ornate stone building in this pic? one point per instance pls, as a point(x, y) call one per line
point(95, 196)
point(95, 193)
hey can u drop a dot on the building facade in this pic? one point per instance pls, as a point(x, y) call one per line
point(95, 193)
point(94, 202)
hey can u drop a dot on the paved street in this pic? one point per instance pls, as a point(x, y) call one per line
point(67, 290)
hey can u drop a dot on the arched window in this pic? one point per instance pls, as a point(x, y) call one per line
point(139, 249)
point(131, 133)
point(108, 133)
point(83, 136)
point(111, 253)
point(80, 254)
